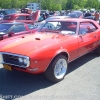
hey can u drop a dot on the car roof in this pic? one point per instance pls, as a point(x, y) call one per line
point(17, 14)
point(72, 19)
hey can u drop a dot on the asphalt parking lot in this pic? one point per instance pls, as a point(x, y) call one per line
point(81, 83)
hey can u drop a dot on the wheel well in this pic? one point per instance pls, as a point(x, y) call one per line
point(62, 53)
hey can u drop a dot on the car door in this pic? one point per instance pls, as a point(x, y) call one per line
point(87, 37)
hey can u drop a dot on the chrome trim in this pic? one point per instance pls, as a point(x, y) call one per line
point(18, 55)
point(1, 59)
point(80, 56)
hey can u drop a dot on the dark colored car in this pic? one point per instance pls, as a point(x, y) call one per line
point(7, 11)
point(76, 14)
point(90, 17)
point(13, 29)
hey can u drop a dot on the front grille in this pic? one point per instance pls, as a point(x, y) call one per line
point(12, 60)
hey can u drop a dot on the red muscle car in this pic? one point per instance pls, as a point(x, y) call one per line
point(21, 17)
point(13, 29)
point(49, 50)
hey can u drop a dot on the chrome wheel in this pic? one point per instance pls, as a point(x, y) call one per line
point(57, 69)
point(60, 68)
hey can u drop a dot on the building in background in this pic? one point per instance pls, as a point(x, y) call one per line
point(34, 6)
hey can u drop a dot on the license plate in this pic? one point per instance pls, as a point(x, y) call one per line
point(7, 67)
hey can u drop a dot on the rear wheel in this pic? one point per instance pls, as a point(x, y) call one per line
point(57, 69)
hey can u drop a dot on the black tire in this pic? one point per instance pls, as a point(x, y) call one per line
point(57, 73)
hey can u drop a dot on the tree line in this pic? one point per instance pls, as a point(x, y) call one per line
point(52, 4)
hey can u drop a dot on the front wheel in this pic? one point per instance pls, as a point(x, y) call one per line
point(57, 69)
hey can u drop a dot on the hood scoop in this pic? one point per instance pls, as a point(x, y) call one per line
point(37, 39)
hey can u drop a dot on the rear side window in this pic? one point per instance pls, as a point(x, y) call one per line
point(87, 27)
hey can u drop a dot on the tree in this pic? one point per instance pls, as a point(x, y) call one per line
point(52, 4)
point(57, 7)
point(76, 7)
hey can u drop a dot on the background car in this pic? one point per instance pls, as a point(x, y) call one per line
point(90, 17)
point(75, 14)
point(21, 17)
point(39, 24)
point(13, 29)
point(7, 11)
point(1, 16)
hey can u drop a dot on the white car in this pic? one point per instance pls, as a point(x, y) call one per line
point(38, 24)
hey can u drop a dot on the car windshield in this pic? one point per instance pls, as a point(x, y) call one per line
point(59, 27)
point(5, 27)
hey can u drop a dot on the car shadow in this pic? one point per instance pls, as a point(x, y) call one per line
point(80, 61)
point(20, 83)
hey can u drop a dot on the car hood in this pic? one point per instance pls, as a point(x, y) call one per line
point(36, 15)
point(24, 44)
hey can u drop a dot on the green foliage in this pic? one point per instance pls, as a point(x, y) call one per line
point(53, 4)
point(76, 7)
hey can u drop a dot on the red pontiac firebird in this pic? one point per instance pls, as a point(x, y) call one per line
point(49, 50)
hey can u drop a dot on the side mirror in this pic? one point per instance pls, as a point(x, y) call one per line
point(10, 34)
point(1, 37)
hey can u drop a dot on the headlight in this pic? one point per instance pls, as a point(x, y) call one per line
point(14, 59)
point(24, 61)
point(20, 60)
